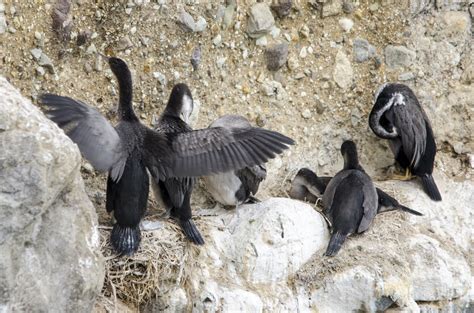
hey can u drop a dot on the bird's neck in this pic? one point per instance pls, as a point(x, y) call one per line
point(351, 162)
point(126, 96)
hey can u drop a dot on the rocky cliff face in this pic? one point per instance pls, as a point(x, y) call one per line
point(49, 242)
point(308, 69)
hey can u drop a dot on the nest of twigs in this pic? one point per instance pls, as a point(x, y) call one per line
point(161, 263)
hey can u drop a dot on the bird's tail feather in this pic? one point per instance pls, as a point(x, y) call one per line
point(335, 243)
point(125, 239)
point(430, 187)
point(408, 210)
point(191, 231)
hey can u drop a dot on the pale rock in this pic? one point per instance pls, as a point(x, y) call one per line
point(186, 21)
point(268, 238)
point(275, 89)
point(260, 20)
point(331, 7)
point(161, 78)
point(406, 76)
point(200, 25)
point(437, 274)
point(457, 26)
point(362, 50)
point(276, 56)
point(3, 23)
point(261, 41)
point(49, 241)
point(399, 56)
point(346, 24)
point(217, 41)
point(342, 73)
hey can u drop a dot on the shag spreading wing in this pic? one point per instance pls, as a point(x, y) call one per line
point(97, 139)
point(214, 150)
point(252, 176)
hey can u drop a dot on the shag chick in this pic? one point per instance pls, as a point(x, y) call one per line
point(398, 116)
point(307, 186)
point(350, 200)
point(131, 150)
point(237, 186)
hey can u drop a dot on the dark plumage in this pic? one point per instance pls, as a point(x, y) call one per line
point(131, 150)
point(398, 116)
point(307, 186)
point(350, 200)
point(175, 192)
point(238, 186)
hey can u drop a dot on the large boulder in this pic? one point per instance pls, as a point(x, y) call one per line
point(49, 242)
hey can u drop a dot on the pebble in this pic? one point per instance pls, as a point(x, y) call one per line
point(282, 7)
point(40, 71)
point(306, 114)
point(260, 20)
point(303, 53)
point(228, 16)
point(196, 57)
point(276, 56)
point(45, 61)
point(261, 41)
point(217, 40)
point(124, 43)
point(3, 23)
point(200, 25)
point(161, 78)
point(91, 49)
point(304, 31)
point(186, 21)
point(471, 160)
point(346, 24)
point(406, 76)
point(362, 50)
point(83, 37)
point(36, 53)
point(343, 73)
point(331, 8)
point(220, 62)
point(293, 63)
point(348, 7)
point(87, 67)
point(399, 56)
point(374, 7)
point(98, 64)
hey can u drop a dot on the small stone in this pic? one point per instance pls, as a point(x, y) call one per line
point(220, 62)
point(45, 61)
point(261, 41)
point(346, 24)
point(145, 41)
point(282, 7)
point(406, 76)
point(196, 58)
point(260, 20)
point(186, 21)
point(362, 50)
point(306, 114)
point(331, 8)
point(293, 63)
point(342, 74)
point(98, 67)
point(83, 37)
point(161, 78)
point(303, 53)
point(91, 49)
point(88, 168)
point(471, 160)
point(304, 31)
point(217, 40)
point(275, 32)
point(124, 43)
point(87, 67)
point(133, 30)
point(40, 71)
point(228, 16)
point(374, 7)
point(348, 7)
point(201, 24)
point(399, 56)
point(276, 56)
point(36, 53)
point(3, 23)
point(274, 88)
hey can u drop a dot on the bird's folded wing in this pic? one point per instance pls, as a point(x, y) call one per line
point(97, 139)
point(370, 203)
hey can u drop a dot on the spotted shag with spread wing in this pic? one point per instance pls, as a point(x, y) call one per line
point(130, 150)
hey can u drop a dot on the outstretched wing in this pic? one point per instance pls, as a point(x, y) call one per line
point(252, 176)
point(97, 139)
point(209, 151)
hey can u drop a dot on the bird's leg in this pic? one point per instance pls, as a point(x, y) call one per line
point(408, 175)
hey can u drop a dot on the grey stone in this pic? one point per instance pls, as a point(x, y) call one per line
point(200, 25)
point(260, 20)
point(196, 58)
point(406, 76)
point(282, 7)
point(62, 19)
point(161, 78)
point(348, 6)
point(276, 56)
point(49, 241)
point(46, 62)
point(124, 43)
point(3, 23)
point(186, 21)
point(331, 7)
point(362, 50)
point(343, 73)
point(36, 53)
point(399, 56)
point(228, 16)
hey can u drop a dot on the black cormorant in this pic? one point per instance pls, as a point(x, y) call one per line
point(307, 186)
point(131, 149)
point(350, 200)
point(398, 116)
